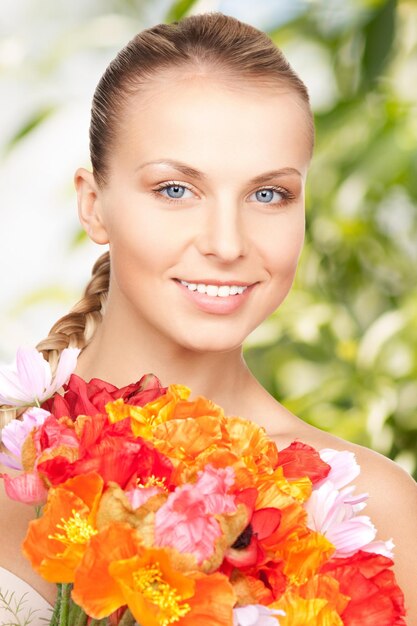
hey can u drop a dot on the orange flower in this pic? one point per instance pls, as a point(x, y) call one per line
point(145, 419)
point(212, 602)
point(302, 612)
point(325, 587)
point(115, 542)
point(154, 591)
point(304, 555)
point(55, 543)
point(160, 586)
point(251, 443)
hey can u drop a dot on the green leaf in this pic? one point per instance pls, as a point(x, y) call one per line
point(179, 9)
point(78, 239)
point(35, 120)
point(379, 36)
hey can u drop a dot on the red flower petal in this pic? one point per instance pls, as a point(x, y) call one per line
point(265, 522)
point(300, 459)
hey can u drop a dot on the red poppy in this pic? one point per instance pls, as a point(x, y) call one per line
point(113, 452)
point(247, 550)
point(82, 398)
point(375, 598)
point(300, 459)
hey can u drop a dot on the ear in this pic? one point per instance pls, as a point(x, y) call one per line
point(89, 206)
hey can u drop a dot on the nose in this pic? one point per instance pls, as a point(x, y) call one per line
point(223, 235)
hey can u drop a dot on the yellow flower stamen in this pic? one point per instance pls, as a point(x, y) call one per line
point(153, 481)
point(149, 582)
point(76, 529)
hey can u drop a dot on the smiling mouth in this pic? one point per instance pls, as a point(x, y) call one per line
point(210, 289)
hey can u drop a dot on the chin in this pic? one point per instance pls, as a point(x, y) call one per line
point(212, 342)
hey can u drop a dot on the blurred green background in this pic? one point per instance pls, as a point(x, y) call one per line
point(341, 352)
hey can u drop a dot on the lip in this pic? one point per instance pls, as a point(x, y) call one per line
point(216, 305)
point(218, 283)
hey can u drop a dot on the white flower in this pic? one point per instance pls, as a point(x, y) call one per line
point(256, 615)
point(13, 435)
point(333, 509)
point(29, 380)
point(344, 467)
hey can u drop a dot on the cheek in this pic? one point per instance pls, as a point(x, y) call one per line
point(140, 242)
point(282, 248)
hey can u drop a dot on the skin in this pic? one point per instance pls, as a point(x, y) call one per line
point(219, 230)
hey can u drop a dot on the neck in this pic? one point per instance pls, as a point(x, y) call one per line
point(221, 376)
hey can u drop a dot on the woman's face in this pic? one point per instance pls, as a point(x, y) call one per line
point(204, 209)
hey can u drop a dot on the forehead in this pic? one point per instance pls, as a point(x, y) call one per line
point(216, 125)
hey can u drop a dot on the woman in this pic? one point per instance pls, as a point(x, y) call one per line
point(201, 137)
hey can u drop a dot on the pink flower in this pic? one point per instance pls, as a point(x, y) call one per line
point(343, 467)
point(27, 488)
point(333, 509)
point(187, 519)
point(14, 434)
point(255, 615)
point(140, 495)
point(213, 485)
point(29, 381)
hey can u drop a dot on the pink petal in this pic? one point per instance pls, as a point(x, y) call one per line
point(380, 547)
point(15, 432)
point(139, 496)
point(344, 467)
point(256, 615)
point(27, 488)
point(10, 461)
point(11, 392)
point(351, 535)
point(66, 366)
point(33, 371)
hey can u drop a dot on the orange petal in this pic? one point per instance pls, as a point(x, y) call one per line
point(51, 558)
point(212, 603)
point(153, 590)
point(95, 590)
point(326, 587)
point(303, 556)
point(301, 612)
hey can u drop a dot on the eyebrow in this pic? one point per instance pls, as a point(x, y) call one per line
point(187, 170)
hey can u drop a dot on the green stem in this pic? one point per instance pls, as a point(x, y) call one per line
point(57, 607)
point(99, 622)
point(127, 619)
point(65, 604)
point(81, 619)
point(76, 615)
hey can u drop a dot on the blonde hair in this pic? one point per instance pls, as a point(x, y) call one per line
point(220, 43)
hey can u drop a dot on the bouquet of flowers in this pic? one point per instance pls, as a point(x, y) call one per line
point(158, 509)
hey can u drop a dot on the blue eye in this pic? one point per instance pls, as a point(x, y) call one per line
point(173, 191)
point(266, 196)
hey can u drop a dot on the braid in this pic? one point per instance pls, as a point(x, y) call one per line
point(76, 329)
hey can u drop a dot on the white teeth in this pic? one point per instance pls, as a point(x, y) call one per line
point(224, 291)
point(214, 290)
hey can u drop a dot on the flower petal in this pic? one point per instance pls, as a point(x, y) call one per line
point(255, 615)
point(33, 371)
point(27, 488)
point(344, 467)
point(11, 392)
point(66, 365)
point(10, 461)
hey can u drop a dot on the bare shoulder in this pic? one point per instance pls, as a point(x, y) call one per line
point(14, 520)
point(392, 504)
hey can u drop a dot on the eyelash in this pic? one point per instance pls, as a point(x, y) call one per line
point(287, 195)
